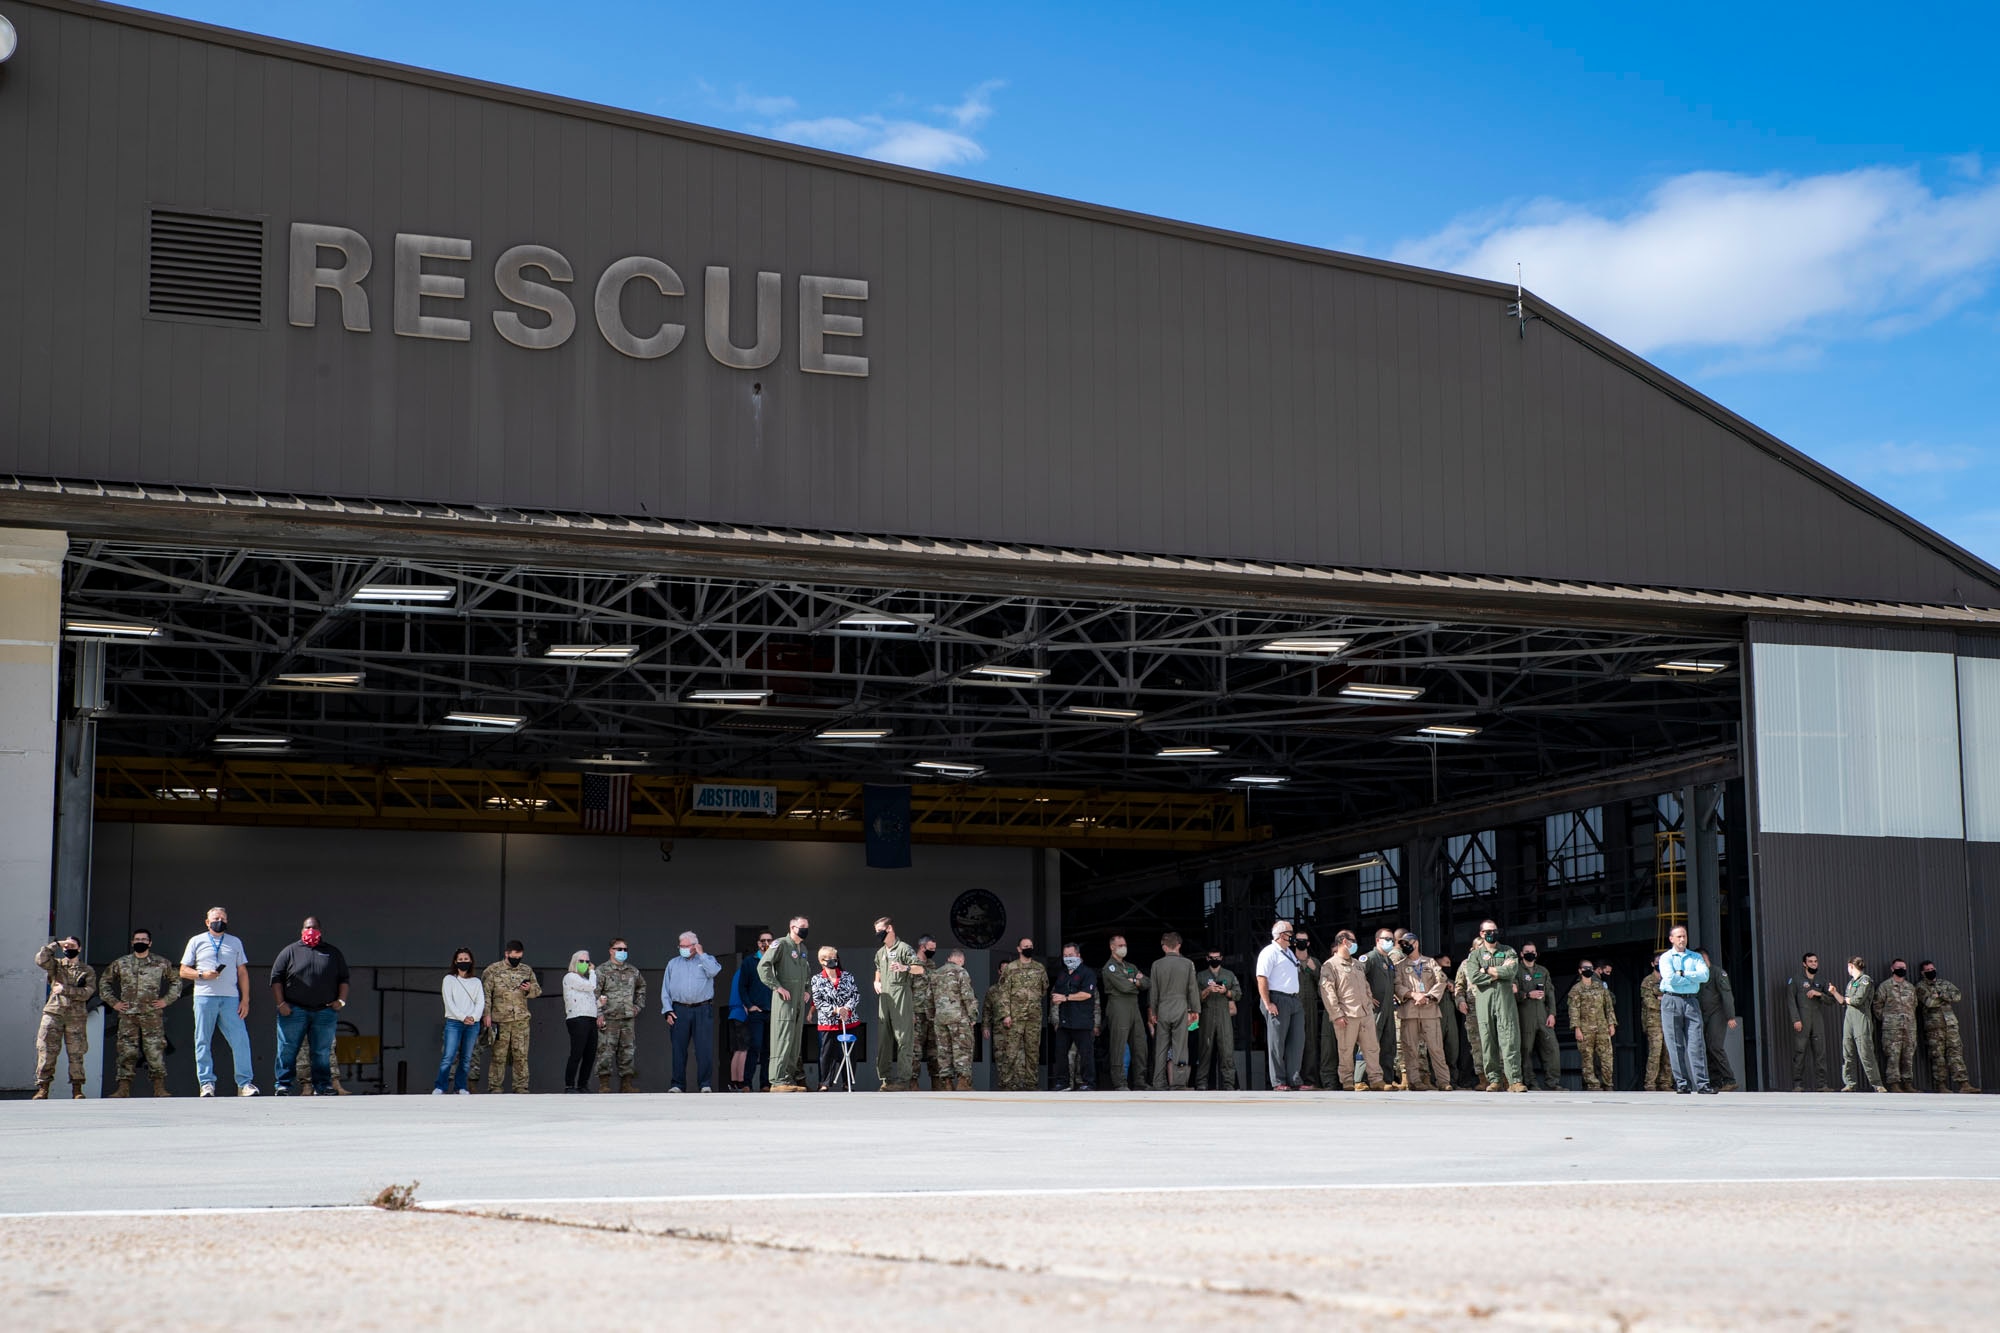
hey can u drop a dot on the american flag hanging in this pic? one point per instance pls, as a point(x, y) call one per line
point(607, 802)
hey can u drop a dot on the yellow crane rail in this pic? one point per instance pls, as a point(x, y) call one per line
point(304, 795)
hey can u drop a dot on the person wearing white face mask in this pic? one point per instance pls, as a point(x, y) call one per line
point(1278, 997)
point(1124, 1017)
point(1380, 970)
point(687, 1000)
point(1075, 995)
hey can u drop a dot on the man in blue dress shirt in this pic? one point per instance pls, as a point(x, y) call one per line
point(1681, 974)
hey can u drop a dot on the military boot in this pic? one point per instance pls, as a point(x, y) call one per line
point(628, 1083)
point(604, 1082)
point(41, 1093)
point(76, 1091)
point(124, 1088)
point(160, 1086)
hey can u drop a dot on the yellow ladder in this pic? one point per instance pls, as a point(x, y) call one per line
point(1670, 876)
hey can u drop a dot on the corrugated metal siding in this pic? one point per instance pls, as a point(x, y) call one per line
point(1979, 745)
point(1981, 1010)
point(1036, 377)
point(1878, 898)
point(1856, 742)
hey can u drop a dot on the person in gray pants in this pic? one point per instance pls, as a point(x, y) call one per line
point(1278, 996)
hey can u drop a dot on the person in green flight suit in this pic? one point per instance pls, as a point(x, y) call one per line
point(897, 968)
point(1857, 1031)
point(1535, 1014)
point(1494, 969)
point(1121, 982)
point(787, 968)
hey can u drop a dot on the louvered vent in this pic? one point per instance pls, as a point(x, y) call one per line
point(205, 267)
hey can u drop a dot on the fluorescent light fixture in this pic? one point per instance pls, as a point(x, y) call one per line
point(517, 803)
point(261, 742)
point(92, 628)
point(1348, 867)
point(1188, 751)
point(1108, 714)
point(186, 793)
point(1259, 780)
point(1364, 690)
point(322, 680)
point(1445, 732)
point(1010, 672)
point(615, 761)
point(485, 721)
point(951, 768)
point(592, 652)
point(886, 619)
point(404, 592)
point(816, 814)
point(1318, 645)
point(726, 696)
point(1690, 667)
point(853, 734)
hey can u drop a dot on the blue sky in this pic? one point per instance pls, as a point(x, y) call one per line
point(1796, 209)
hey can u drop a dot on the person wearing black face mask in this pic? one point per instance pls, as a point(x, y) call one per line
point(464, 1014)
point(1215, 1044)
point(1311, 1014)
point(1896, 1021)
point(1535, 1015)
point(1014, 1016)
point(787, 967)
point(219, 966)
point(510, 984)
point(1718, 1016)
point(897, 968)
point(139, 987)
point(925, 1048)
point(71, 984)
point(1935, 997)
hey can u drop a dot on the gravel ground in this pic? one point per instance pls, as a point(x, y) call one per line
point(1784, 1256)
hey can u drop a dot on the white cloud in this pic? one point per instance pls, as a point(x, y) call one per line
point(931, 145)
point(1890, 459)
point(1743, 262)
point(764, 106)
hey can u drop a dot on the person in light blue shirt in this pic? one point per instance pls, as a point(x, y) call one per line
point(687, 1000)
point(218, 965)
point(1681, 974)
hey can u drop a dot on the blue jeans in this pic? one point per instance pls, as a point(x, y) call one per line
point(316, 1027)
point(694, 1023)
point(1687, 1048)
point(211, 1012)
point(459, 1040)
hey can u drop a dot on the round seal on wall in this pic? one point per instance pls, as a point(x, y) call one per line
point(978, 918)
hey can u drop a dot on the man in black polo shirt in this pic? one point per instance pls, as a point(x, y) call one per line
point(309, 983)
point(1074, 994)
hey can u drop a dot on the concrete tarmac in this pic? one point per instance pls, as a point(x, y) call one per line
point(1560, 1211)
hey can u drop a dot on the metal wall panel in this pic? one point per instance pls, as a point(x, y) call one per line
point(1856, 742)
point(1877, 898)
point(1980, 1012)
point(1979, 745)
point(1039, 372)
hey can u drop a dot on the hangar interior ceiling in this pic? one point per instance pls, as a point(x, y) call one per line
point(215, 653)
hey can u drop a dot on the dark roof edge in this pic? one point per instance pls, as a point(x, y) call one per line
point(1611, 351)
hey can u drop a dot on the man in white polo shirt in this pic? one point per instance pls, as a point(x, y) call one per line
point(1278, 994)
point(216, 962)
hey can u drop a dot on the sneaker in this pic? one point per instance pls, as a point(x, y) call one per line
point(1708, 1092)
point(463, 1093)
point(247, 1090)
point(437, 1092)
point(706, 1088)
point(208, 1089)
point(676, 1089)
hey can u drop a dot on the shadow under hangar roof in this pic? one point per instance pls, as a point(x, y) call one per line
point(1043, 374)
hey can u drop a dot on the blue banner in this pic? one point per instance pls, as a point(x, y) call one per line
point(885, 814)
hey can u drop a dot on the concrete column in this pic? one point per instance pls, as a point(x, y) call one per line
point(30, 636)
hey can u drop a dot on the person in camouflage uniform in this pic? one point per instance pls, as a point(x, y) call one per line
point(1659, 1072)
point(1467, 1004)
point(1215, 1039)
point(1121, 982)
point(1896, 1018)
point(510, 984)
point(1535, 1012)
point(1935, 997)
point(71, 984)
point(954, 1014)
point(621, 994)
point(1014, 1020)
point(1594, 1022)
point(1493, 969)
point(926, 1011)
point(138, 987)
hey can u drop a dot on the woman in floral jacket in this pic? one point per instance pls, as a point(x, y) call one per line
point(834, 997)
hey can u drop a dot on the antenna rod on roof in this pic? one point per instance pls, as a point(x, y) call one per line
point(1519, 310)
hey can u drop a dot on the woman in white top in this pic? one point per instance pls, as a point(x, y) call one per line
point(580, 1014)
point(464, 1012)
